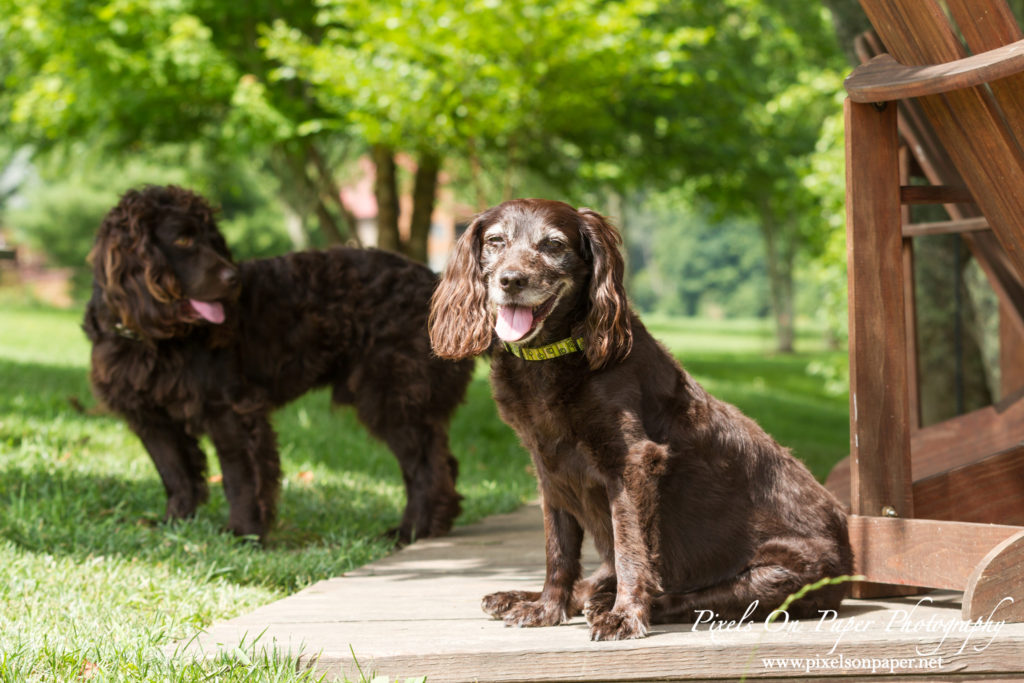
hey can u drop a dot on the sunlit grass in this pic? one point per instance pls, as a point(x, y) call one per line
point(91, 585)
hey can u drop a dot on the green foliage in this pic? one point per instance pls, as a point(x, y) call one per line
point(685, 264)
point(64, 205)
point(61, 218)
point(136, 70)
point(540, 84)
point(558, 97)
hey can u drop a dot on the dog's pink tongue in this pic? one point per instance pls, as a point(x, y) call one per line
point(214, 312)
point(513, 322)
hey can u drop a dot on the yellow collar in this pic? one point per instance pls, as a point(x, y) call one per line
point(559, 348)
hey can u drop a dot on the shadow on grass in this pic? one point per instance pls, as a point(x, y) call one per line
point(80, 515)
point(81, 485)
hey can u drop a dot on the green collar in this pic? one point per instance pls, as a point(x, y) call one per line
point(559, 348)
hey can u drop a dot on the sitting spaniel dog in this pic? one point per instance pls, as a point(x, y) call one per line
point(690, 504)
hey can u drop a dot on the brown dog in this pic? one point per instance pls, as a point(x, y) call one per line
point(691, 505)
point(187, 342)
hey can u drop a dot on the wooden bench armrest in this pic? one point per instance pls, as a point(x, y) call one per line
point(883, 79)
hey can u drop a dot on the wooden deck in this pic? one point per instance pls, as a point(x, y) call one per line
point(417, 613)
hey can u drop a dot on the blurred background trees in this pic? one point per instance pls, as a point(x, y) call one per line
point(707, 131)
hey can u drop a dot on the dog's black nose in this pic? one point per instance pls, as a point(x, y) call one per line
point(229, 276)
point(512, 280)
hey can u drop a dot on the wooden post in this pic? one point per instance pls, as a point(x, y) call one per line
point(880, 474)
point(879, 427)
point(909, 297)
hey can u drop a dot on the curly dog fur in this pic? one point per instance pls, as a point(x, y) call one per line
point(187, 342)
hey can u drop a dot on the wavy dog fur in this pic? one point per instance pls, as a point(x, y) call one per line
point(351, 319)
point(691, 505)
point(462, 322)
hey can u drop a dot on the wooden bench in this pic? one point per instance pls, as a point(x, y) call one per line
point(940, 506)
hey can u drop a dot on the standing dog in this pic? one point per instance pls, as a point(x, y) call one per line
point(691, 505)
point(187, 342)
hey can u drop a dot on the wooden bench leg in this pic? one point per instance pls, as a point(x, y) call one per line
point(995, 590)
point(880, 475)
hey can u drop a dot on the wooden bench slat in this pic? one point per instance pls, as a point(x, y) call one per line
point(884, 79)
point(988, 491)
point(967, 122)
point(922, 552)
point(945, 227)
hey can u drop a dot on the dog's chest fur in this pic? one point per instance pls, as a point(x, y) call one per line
point(538, 399)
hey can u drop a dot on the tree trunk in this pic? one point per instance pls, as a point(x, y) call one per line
point(331, 193)
point(779, 260)
point(328, 224)
point(424, 195)
point(296, 188)
point(476, 171)
point(386, 190)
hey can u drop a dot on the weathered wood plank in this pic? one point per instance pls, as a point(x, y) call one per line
point(885, 79)
point(922, 552)
point(990, 25)
point(945, 227)
point(417, 613)
point(985, 24)
point(990, 491)
point(933, 159)
point(968, 438)
point(1011, 350)
point(935, 194)
point(953, 443)
point(966, 121)
point(997, 583)
point(907, 166)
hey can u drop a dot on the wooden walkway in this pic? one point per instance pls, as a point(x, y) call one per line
point(417, 613)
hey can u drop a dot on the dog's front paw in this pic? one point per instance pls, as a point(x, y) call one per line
point(497, 605)
point(618, 624)
point(537, 613)
point(598, 604)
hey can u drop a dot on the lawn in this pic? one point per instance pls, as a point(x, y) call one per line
point(93, 587)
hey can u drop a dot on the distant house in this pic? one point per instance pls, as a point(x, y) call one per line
point(26, 271)
point(449, 214)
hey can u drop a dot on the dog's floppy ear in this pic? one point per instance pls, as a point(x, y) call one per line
point(136, 280)
point(460, 324)
point(607, 334)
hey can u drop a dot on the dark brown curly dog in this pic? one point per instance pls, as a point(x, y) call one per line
point(691, 505)
point(187, 342)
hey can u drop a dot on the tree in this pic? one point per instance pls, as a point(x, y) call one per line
point(685, 264)
point(132, 75)
point(522, 84)
point(778, 72)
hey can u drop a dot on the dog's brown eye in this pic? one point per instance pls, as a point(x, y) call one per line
point(184, 242)
point(551, 245)
point(495, 241)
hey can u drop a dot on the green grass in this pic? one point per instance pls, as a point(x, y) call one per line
point(92, 587)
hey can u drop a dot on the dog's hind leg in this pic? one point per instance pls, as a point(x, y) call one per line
point(780, 568)
point(247, 450)
point(407, 403)
point(179, 460)
point(429, 472)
